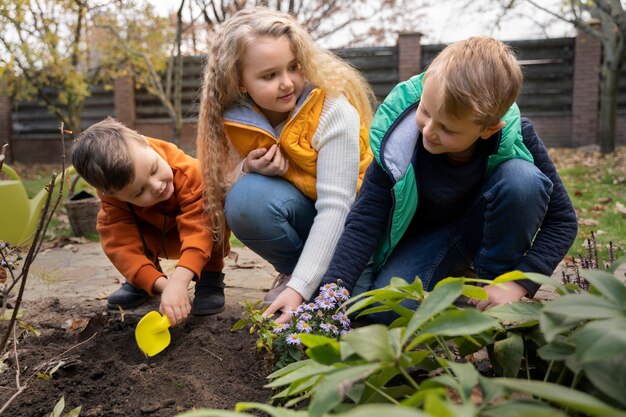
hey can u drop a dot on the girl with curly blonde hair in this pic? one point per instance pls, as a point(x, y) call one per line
point(291, 120)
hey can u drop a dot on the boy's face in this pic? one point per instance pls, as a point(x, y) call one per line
point(443, 133)
point(153, 181)
point(272, 76)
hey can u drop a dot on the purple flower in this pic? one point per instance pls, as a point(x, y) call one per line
point(303, 326)
point(281, 328)
point(343, 294)
point(306, 316)
point(327, 327)
point(342, 318)
point(293, 339)
point(325, 304)
point(308, 306)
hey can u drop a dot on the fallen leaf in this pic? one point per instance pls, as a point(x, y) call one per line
point(620, 208)
point(598, 207)
point(75, 324)
point(102, 296)
point(605, 200)
point(588, 222)
point(578, 193)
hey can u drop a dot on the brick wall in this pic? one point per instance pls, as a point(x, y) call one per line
point(410, 54)
point(124, 92)
point(165, 131)
point(586, 89)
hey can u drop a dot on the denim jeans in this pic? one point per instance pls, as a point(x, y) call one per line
point(492, 236)
point(271, 217)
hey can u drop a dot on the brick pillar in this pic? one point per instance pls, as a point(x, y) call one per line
point(410, 51)
point(586, 89)
point(6, 106)
point(124, 91)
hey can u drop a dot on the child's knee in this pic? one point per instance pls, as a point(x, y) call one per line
point(522, 182)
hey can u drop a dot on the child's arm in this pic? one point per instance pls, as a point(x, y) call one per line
point(122, 245)
point(175, 300)
point(559, 227)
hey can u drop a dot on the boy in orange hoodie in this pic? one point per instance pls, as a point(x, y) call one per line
point(151, 207)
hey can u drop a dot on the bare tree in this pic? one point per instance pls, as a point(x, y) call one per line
point(334, 22)
point(49, 50)
point(605, 20)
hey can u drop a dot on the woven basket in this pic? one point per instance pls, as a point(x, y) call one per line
point(82, 211)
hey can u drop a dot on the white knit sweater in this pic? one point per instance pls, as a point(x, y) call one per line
point(336, 140)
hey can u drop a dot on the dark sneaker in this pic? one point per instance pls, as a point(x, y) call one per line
point(127, 297)
point(209, 296)
point(279, 284)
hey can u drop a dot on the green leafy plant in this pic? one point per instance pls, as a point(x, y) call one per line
point(564, 357)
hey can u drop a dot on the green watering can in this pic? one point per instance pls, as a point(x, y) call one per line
point(19, 215)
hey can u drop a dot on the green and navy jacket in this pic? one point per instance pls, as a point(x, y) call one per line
point(385, 209)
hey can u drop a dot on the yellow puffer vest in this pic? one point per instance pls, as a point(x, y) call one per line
point(247, 129)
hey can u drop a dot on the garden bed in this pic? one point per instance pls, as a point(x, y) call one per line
point(91, 359)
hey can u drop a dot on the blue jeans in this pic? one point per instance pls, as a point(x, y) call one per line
point(492, 236)
point(270, 216)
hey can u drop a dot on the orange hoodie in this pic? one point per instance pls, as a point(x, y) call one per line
point(180, 220)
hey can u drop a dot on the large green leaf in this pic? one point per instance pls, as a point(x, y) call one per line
point(609, 376)
point(522, 409)
point(546, 280)
point(554, 324)
point(290, 368)
point(459, 323)
point(466, 376)
point(557, 350)
point(509, 276)
point(582, 306)
point(601, 339)
point(331, 390)
point(516, 312)
point(301, 373)
point(566, 397)
point(272, 411)
point(382, 410)
point(321, 349)
point(372, 343)
point(435, 406)
point(509, 353)
point(213, 413)
point(438, 300)
point(607, 285)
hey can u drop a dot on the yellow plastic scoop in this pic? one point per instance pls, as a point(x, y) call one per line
point(152, 333)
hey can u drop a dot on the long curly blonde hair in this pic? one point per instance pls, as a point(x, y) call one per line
point(221, 88)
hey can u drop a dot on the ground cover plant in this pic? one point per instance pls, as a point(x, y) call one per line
point(563, 357)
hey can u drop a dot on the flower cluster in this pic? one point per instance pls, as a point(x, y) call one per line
point(322, 317)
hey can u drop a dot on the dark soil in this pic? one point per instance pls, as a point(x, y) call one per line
point(205, 366)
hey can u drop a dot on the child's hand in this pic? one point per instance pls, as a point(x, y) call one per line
point(288, 300)
point(505, 293)
point(175, 299)
point(269, 163)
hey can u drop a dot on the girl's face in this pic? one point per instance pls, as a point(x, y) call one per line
point(272, 77)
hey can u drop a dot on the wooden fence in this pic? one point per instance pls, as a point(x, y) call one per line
point(547, 95)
